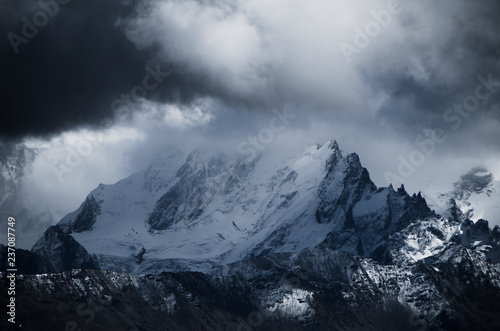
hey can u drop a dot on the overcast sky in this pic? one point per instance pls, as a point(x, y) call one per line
point(115, 81)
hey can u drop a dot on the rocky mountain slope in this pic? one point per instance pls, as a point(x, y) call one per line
point(211, 241)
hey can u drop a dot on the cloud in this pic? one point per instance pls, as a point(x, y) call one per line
point(413, 59)
point(252, 52)
point(72, 70)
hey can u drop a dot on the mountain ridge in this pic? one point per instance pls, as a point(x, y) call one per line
point(262, 245)
point(218, 209)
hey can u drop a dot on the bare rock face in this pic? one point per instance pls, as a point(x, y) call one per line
point(61, 252)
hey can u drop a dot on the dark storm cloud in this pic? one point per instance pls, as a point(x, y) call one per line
point(69, 72)
point(72, 70)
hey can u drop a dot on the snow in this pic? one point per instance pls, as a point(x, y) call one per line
point(294, 304)
point(421, 242)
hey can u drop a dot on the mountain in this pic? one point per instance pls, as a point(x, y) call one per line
point(15, 163)
point(208, 209)
point(203, 240)
point(476, 195)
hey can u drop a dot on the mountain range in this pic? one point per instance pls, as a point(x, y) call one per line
point(202, 240)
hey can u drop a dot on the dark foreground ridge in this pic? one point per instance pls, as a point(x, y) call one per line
point(337, 294)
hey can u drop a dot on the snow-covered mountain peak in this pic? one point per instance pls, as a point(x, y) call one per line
point(475, 195)
point(203, 207)
point(476, 181)
point(205, 204)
